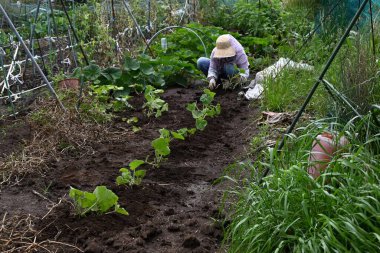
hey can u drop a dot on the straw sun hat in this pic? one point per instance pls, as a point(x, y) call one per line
point(223, 47)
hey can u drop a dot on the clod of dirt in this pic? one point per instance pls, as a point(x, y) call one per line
point(169, 212)
point(208, 229)
point(150, 233)
point(139, 242)
point(93, 247)
point(191, 242)
point(174, 228)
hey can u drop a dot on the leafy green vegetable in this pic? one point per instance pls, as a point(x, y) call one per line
point(100, 201)
point(154, 105)
point(130, 176)
point(131, 64)
point(208, 110)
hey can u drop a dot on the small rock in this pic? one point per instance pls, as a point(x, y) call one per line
point(191, 242)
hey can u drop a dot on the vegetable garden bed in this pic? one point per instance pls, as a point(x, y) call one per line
point(175, 209)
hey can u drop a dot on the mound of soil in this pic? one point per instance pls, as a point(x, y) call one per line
point(175, 207)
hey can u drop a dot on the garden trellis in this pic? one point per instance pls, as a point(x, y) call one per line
point(57, 50)
point(332, 91)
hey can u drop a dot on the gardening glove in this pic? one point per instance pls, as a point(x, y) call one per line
point(242, 79)
point(212, 84)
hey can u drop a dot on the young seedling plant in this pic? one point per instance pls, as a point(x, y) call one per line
point(130, 176)
point(161, 145)
point(99, 201)
point(154, 105)
point(207, 110)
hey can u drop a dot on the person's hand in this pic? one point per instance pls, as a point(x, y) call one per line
point(243, 79)
point(212, 84)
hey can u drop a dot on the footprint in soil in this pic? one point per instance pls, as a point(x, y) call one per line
point(191, 242)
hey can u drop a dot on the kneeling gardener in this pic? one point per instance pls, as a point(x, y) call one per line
point(225, 57)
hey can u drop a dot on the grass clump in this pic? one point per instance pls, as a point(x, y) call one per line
point(287, 92)
point(292, 212)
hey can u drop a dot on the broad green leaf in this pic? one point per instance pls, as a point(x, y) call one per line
point(147, 69)
point(177, 135)
point(191, 106)
point(121, 180)
point(197, 114)
point(207, 97)
point(91, 72)
point(164, 133)
point(105, 198)
point(161, 146)
point(135, 164)
point(183, 131)
point(200, 124)
point(124, 170)
point(111, 73)
point(192, 131)
point(140, 173)
point(82, 199)
point(131, 64)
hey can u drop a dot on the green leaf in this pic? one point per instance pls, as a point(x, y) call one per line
point(124, 170)
point(131, 64)
point(207, 97)
point(161, 146)
point(105, 197)
point(121, 181)
point(91, 72)
point(147, 69)
point(133, 120)
point(135, 129)
point(197, 114)
point(82, 199)
point(192, 131)
point(191, 106)
point(200, 124)
point(177, 135)
point(120, 210)
point(111, 73)
point(135, 164)
point(140, 173)
point(164, 133)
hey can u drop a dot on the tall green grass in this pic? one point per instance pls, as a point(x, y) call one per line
point(292, 212)
point(287, 92)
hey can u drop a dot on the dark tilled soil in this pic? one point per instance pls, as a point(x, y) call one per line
point(173, 210)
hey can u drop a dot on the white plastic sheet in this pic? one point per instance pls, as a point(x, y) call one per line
point(255, 88)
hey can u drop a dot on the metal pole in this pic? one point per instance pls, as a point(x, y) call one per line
point(148, 21)
point(113, 18)
point(372, 29)
point(60, 54)
point(320, 79)
point(126, 5)
point(74, 33)
point(33, 28)
point(13, 28)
